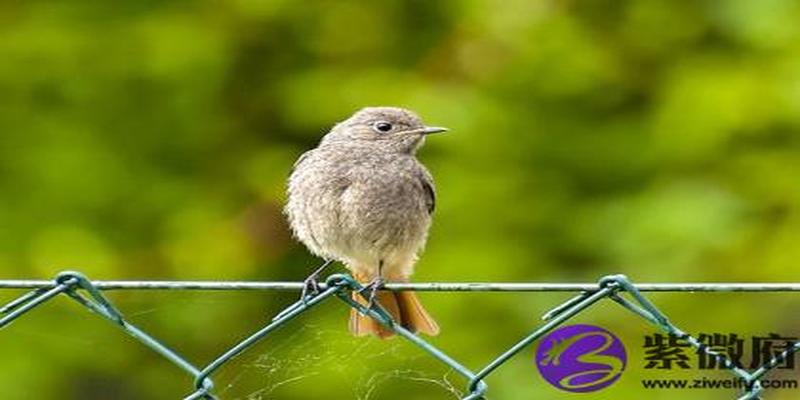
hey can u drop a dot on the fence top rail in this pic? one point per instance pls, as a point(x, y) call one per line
point(421, 287)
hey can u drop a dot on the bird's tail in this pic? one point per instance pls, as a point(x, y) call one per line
point(405, 309)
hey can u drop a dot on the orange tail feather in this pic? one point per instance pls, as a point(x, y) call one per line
point(405, 309)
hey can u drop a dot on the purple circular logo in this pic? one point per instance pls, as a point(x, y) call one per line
point(581, 358)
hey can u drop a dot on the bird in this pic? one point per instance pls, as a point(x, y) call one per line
point(362, 198)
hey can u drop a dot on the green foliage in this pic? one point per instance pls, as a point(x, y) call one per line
point(151, 140)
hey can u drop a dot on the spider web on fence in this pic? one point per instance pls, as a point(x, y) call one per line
point(285, 364)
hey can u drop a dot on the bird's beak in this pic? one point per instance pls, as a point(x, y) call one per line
point(433, 129)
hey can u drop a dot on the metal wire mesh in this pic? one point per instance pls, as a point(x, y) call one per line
point(616, 288)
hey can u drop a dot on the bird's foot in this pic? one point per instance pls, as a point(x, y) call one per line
point(373, 288)
point(310, 287)
point(311, 283)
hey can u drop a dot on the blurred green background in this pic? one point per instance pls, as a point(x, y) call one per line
point(152, 140)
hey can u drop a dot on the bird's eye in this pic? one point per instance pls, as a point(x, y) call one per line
point(382, 126)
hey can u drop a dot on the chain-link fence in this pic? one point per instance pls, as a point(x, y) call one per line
point(616, 288)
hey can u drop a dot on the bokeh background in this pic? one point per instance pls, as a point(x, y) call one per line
point(151, 140)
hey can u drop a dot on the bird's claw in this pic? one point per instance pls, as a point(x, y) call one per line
point(373, 288)
point(311, 284)
point(310, 288)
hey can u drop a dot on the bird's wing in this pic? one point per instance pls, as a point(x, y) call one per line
point(429, 189)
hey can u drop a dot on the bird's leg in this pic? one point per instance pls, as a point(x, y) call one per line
point(375, 285)
point(311, 284)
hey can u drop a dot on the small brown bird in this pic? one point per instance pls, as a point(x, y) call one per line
point(362, 198)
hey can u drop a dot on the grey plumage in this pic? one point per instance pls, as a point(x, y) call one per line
point(362, 198)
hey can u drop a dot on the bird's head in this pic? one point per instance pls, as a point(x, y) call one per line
point(388, 128)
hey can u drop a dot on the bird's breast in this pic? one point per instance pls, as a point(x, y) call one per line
point(352, 205)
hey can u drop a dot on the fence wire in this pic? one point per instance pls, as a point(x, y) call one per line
point(616, 288)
